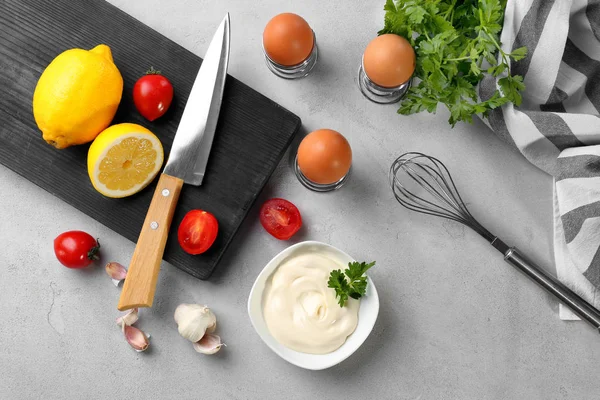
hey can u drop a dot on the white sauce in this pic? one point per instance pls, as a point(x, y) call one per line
point(301, 312)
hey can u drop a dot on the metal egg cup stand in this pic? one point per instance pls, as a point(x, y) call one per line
point(380, 94)
point(318, 187)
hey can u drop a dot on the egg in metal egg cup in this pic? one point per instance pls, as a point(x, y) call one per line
point(380, 94)
point(294, 71)
point(323, 160)
point(386, 68)
point(319, 187)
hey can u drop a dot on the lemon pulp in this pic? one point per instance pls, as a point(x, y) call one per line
point(124, 159)
point(127, 164)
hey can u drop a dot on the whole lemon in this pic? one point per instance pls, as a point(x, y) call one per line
point(77, 96)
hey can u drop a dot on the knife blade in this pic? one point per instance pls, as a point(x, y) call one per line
point(186, 164)
point(196, 130)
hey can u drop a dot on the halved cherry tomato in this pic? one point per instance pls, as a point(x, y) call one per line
point(76, 249)
point(197, 231)
point(152, 95)
point(280, 218)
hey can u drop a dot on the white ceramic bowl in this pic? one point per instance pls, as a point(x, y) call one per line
point(367, 314)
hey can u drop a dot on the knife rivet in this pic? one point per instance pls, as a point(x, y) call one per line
point(165, 192)
point(154, 225)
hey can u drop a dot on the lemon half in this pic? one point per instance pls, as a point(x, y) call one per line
point(124, 159)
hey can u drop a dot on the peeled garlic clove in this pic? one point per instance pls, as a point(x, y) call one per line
point(193, 321)
point(116, 271)
point(209, 344)
point(129, 318)
point(136, 338)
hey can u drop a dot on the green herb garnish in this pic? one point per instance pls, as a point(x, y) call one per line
point(356, 284)
point(456, 42)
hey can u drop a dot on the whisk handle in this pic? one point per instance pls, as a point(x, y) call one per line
point(565, 295)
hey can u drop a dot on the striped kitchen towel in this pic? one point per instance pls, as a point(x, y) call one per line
point(557, 127)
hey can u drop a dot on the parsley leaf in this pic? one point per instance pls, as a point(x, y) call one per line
point(356, 270)
point(519, 54)
point(415, 13)
point(511, 86)
point(356, 284)
point(337, 281)
point(457, 43)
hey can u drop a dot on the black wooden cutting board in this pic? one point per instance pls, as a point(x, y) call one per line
point(252, 135)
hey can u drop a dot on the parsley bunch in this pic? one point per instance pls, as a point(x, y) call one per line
point(355, 286)
point(456, 43)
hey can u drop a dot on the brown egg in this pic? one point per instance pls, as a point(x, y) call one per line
point(324, 156)
point(389, 60)
point(288, 39)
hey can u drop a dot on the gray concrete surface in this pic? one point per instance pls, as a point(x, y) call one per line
point(455, 321)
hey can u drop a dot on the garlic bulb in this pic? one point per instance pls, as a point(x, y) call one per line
point(194, 320)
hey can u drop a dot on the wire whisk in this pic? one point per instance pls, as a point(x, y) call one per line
point(432, 175)
point(423, 184)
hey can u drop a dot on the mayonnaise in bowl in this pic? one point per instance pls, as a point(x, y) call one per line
point(368, 307)
point(301, 312)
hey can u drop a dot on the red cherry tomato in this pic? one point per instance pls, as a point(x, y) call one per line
point(197, 231)
point(152, 95)
point(76, 249)
point(280, 218)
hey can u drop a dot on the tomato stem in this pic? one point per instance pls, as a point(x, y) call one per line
point(93, 253)
point(153, 71)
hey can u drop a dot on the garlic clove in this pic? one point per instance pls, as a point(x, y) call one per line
point(129, 318)
point(116, 271)
point(136, 338)
point(194, 320)
point(209, 344)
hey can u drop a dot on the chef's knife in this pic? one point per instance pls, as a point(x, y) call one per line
point(186, 164)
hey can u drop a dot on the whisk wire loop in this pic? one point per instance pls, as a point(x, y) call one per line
point(417, 203)
point(440, 198)
point(441, 194)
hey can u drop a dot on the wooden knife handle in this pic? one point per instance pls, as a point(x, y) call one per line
point(140, 284)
